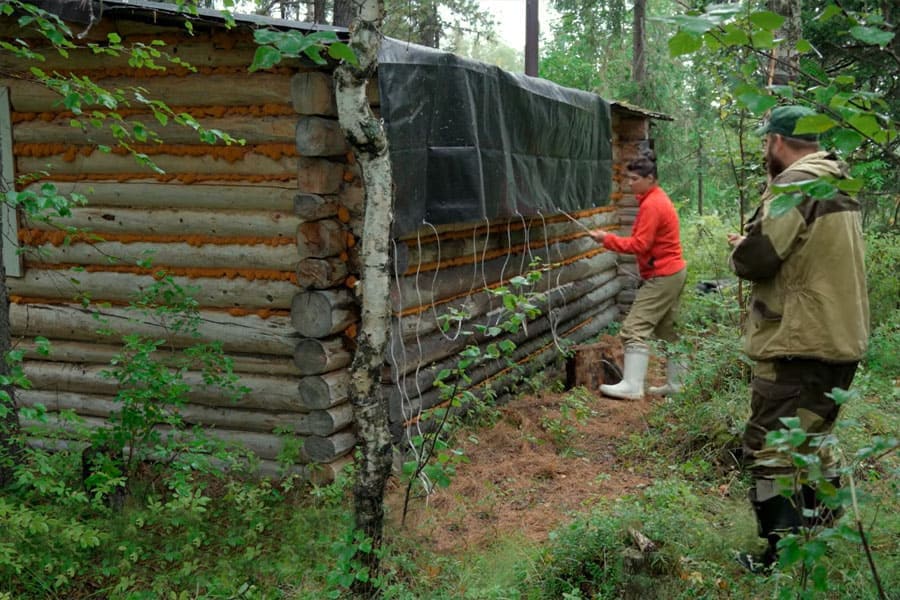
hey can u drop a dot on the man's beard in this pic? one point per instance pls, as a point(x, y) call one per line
point(774, 166)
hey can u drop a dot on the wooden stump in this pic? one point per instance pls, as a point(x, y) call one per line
point(592, 365)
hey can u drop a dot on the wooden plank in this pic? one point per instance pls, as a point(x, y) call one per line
point(9, 220)
point(67, 284)
point(321, 273)
point(326, 390)
point(320, 137)
point(73, 322)
point(321, 239)
point(326, 449)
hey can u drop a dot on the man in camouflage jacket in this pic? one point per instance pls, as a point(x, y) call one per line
point(808, 324)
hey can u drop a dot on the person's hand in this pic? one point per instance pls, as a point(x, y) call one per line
point(734, 239)
point(598, 235)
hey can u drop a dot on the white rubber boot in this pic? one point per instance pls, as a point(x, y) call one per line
point(632, 385)
point(674, 370)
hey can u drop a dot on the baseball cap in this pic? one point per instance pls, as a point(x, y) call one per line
point(783, 120)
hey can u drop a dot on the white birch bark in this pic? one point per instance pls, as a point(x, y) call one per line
point(366, 136)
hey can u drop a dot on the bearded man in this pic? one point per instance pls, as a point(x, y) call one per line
point(807, 327)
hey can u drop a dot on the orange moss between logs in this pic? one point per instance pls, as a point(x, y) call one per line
point(38, 237)
point(484, 256)
point(351, 331)
point(343, 214)
point(186, 178)
point(503, 227)
point(161, 271)
point(502, 372)
point(232, 153)
point(263, 313)
point(414, 310)
point(171, 71)
point(198, 112)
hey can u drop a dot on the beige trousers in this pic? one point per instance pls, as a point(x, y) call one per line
point(655, 310)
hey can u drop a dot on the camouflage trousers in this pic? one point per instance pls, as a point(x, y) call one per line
point(791, 388)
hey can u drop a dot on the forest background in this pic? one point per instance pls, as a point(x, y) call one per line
point(203, 536)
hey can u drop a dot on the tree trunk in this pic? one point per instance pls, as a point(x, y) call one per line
point(785, 61)
point(343, 13)
point(367, 138)
point(638, 59)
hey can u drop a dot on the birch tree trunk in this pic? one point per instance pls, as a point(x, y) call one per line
point(785, 61)
point(366, 136)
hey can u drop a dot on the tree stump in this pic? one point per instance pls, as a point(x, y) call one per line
point(592, 365)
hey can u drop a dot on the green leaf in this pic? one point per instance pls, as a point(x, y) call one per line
point(342, 51)
point(763, 40)
point(684, 43)
point(114, 38)
point(814, 124)
point(735, 36)
point(783, 204)
point(872, 35)
point(868, 125)
point(850, 185)
point(757, 103)
point(831, 11)
point(784, 91)
point(803, 46)
point(695, 25)
point(767, 20)
point(266, 57)
point(847, 140)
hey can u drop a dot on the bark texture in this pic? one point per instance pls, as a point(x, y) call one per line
point(366, 136)
point(785, 60)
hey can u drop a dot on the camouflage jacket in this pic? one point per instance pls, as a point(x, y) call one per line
point(807, 270)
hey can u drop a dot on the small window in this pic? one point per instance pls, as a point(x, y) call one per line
point(9, 222)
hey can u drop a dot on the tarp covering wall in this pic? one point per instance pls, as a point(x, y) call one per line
point(469, 141)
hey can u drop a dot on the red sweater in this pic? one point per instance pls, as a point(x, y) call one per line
point(654, 236)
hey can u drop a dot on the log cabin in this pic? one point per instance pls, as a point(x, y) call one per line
point(265, 232)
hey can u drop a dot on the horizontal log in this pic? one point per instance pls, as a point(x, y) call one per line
point(252, 129)
point(324, 391)
point(532, 356)
point(314, 357)
point(320, 422)
point(238, 89)
point(320, 137)
point(421, 356)
point(562, 283)
point(210, 256)
point(202, 51)
point(321, 239)
point(321, 313)
point(312, 93)
point(319, 176)
point(321, 273)
point(270, 196)
point(412, 254)
point(251, 164)
point(67, 284)
point(186, 222)
point(264, 445)
point(312, 207)
point(327, 449)
point(263, 392)
point(249, 333)
point(426, 288)
point(97, 353)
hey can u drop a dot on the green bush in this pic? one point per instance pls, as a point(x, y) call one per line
point(882, 258)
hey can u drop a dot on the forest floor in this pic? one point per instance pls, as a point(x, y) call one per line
point(550, 455)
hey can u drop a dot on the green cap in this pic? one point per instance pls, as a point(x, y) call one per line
point(783, 120)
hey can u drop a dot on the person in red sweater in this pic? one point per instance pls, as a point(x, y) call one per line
point(654, 240)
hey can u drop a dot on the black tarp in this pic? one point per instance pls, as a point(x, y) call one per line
point(470, 141)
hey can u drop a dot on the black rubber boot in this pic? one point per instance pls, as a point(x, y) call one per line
point(773, 516)
point(824, 517)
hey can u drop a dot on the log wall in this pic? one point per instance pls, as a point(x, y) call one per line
point(261, 231)
point(266, 233)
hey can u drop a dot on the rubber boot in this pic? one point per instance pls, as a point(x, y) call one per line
point(821, 516)
point(774, 516)
point(674, 371)
point(632, 385)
